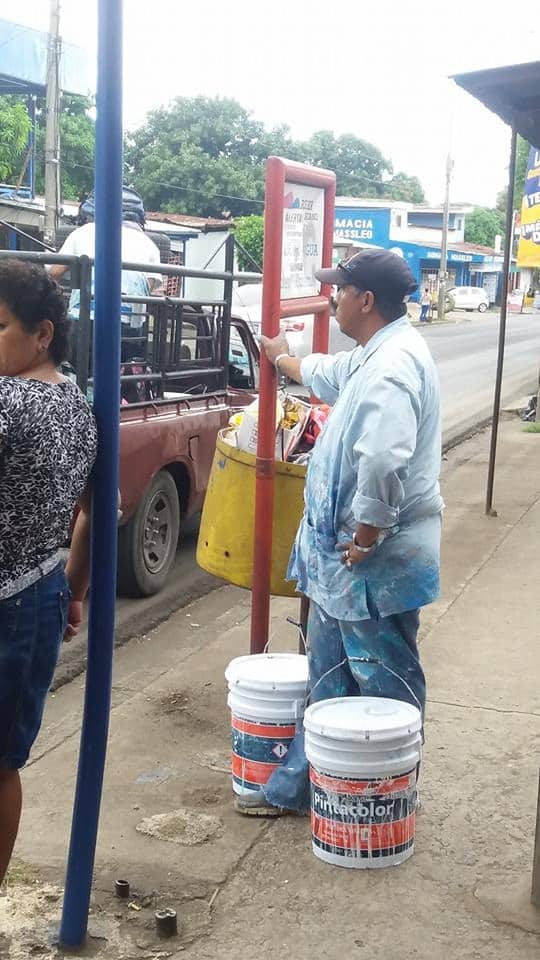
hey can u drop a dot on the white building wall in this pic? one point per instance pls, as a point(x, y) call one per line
point(198, 252)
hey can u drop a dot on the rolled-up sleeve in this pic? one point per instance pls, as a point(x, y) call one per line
point(320, 372)
point(387, 430)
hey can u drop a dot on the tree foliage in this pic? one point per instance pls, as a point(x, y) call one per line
point(522, 156)
point(360, 167)
point(483, 225)
point(77, 147)
point(14, 131)
point(206, 156)
point(404, 187)
point(249, 231)
point(201, 155)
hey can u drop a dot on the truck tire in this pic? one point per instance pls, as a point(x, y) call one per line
point(148, 542)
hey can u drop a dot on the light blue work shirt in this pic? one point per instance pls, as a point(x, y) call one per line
point(377, 461)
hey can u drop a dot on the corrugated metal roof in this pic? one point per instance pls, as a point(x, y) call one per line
point(512, 92)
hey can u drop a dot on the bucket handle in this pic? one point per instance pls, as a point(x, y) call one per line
point(373, 660)
point(294, 623)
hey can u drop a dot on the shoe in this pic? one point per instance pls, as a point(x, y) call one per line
point(258, 806)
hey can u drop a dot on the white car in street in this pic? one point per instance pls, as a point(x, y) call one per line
point(469, 298)
point(246, 305)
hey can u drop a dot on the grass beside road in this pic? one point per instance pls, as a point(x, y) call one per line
point(532, 428)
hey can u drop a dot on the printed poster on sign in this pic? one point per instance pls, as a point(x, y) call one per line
point(303, 223)
point(529, 240)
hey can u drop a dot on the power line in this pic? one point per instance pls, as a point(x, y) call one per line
point(200, 193)
point(168, 186)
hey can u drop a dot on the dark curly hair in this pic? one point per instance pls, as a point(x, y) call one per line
point(32, 296)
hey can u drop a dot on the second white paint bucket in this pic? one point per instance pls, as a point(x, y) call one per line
point(267, 694)
point(363, 754)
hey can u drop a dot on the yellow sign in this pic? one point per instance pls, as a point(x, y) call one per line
point(529, 240)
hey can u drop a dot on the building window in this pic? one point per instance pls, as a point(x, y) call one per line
point(397, 217)
point(459, 224)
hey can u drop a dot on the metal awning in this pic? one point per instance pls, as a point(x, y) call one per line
point(512, 92)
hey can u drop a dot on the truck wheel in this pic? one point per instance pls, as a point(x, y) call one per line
point(147, 543)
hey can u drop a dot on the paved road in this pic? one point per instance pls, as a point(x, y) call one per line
point(465, 353)
point(466, 356)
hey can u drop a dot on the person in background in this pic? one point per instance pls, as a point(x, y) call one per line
point(367, 550)
point(136, 248)
point(434, 297)
point(425, 304)
point(48, 442)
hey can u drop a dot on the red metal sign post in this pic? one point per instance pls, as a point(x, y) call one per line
point(298, 238)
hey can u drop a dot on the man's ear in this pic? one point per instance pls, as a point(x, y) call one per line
point(369, 300)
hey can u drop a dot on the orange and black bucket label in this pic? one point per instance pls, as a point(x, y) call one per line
point(363, 819)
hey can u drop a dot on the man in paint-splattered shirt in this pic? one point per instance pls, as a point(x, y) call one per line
point(367, 551)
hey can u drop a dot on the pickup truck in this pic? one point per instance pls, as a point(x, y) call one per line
point(187, 367)
point(167, 445)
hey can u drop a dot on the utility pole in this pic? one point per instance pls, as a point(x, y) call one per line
point(52, 124)
point(443, 272)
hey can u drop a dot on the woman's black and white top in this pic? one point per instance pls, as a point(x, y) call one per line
point(48, 441)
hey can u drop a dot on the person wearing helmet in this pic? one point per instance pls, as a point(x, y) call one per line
point(136, 248)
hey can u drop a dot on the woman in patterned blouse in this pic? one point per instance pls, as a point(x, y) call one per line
point(48, 442)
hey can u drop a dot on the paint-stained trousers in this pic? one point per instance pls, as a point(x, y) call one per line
point(336, 650)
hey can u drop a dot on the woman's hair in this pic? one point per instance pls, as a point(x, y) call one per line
point(32, 296)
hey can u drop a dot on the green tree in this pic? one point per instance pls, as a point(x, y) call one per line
point(77, 147)
point(522, 156)
point(206, 156)
point(14, 131)
point(359, 166)
point(483, 225)
point(202, 155)
point(404, 187)
point(249, 231)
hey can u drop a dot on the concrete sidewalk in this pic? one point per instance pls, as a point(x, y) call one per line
point(242, 885)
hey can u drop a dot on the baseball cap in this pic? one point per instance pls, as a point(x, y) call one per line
point(384, 273)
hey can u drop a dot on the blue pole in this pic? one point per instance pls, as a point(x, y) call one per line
point(108, 191)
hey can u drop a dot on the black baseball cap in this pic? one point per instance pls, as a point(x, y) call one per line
point(384, 273)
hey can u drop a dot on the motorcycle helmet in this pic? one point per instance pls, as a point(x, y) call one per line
point(132, 207)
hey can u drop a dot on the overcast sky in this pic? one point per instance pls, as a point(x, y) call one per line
point(376, 70)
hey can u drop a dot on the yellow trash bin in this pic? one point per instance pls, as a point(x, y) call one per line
point(225, 546)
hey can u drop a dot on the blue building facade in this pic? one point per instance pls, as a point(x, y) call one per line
point(415, 233)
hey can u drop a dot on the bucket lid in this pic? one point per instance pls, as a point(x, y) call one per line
point(362, 718)
point(266, 671)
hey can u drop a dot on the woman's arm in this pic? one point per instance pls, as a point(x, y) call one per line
point(78, 565)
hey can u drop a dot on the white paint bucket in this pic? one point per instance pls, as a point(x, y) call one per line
point(363, 754)
point(267, 694)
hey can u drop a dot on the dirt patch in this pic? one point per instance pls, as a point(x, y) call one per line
point(183, 826)
point(187, 710)
point(205, 797)
point(30, 917)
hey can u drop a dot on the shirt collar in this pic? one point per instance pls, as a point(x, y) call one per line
point(385, 333)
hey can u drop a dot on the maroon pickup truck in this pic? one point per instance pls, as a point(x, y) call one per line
point(186, 368)
point(167, 443)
